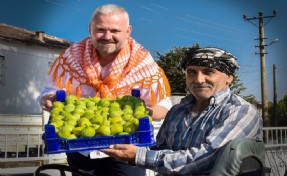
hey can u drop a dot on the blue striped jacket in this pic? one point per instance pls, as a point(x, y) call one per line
point(186, 145)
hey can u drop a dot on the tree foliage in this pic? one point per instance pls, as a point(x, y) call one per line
point(278, 114)
point(169, 62)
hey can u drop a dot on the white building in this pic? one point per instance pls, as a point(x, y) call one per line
point(25, 57)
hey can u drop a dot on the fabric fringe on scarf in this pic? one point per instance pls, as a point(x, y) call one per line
point(133, 67)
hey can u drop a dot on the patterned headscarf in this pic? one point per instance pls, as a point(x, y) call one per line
point(216, 58)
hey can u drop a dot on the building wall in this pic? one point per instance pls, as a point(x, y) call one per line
point(25, 70)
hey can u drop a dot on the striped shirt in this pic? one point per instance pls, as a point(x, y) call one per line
point(187, 145)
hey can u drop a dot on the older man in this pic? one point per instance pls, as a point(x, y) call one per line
point(205, 120)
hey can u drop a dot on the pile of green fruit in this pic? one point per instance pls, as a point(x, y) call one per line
point(93, 116)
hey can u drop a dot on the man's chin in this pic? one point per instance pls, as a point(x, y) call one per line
point(202, 96)
point(107, 51)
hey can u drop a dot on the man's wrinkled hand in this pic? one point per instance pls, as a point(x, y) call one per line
point(47, 101)
point(126, 152)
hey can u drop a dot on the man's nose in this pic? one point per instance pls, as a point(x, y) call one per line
point(107, 35)
point(199, 78)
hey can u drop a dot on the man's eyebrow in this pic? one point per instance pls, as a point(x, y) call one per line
point(209, 69)
point(190, 69)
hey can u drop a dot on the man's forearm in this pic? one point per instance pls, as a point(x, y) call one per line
point(158, 112)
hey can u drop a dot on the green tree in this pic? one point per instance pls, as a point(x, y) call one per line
point(279, 116)
point(237, 88)
point(169, 62)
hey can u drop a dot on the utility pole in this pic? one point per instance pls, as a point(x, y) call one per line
point(275, 95)
point(262, 53)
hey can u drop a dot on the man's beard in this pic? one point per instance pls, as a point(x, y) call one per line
point(107, 49)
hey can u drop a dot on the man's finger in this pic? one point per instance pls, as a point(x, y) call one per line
point(120, 146)
point(47, 101)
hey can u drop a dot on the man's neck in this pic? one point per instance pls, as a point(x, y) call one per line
point(106, 59)
point(199, 106)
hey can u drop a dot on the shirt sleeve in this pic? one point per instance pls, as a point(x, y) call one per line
point(167, 103)
point(242, 121)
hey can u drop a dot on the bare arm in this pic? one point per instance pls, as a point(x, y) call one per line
point(158, 112)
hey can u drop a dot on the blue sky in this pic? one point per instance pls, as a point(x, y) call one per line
point(161, 25)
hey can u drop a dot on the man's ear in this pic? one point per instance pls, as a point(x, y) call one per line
point(129, 30)
point(229, 79)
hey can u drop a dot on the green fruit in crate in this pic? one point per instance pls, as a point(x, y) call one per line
point(78, 112)
point(119, 97)
point(93, 108)
point(90, 104)
point(58, 104)
point(106, 123)
point(116, 128)
point(105, 114)
point(115, 104)
point(117, 119)
point(69, 108)
point(129, 98)
point(89, 110)
point(95, 99)
point(140, 108)
point(123, 133)
point(139, 114)
point(57, 124)
point(95, 126)
point(84, 122)
point(65, 131)
point(129, 127)
point(128, 104)
point(88, 132)
point(81, 106)
point(98, 112)
point(97, 116)
point(128, 110)
point(104, 130)
point(56, 111)
point(72, 122)
point(72, 136)
point(117, 113)
point(105, 109)
point(114, 108)
point(127, 117)
point(56, 117)
point(80, 102)
point(105, 102)
point(88, 114)
point(136, 122)
point(65, 113)
point(71, 117)
point(70, 99)
point(97, 119)
point(79, 109)
point(78, 130)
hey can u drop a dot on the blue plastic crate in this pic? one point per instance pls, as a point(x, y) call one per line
point(53, 144)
